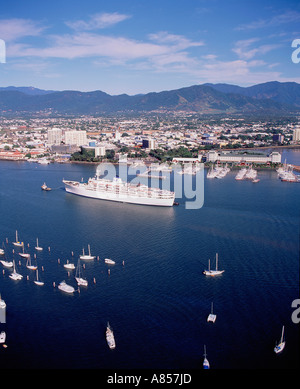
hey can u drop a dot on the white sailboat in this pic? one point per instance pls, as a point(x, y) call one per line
point(215, 272)
point(17, 242)
point(87, 256)
point(29, 265)
point(14, 275)
point(211, 317)
point(280, 346)
point(206, 364)
point(37, 281)
point(7, 263)
point(23, 254)
point(110, 339)
point(80, 281)
point(37, 247)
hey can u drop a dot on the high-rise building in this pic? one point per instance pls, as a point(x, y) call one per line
point(74, 137)
point(149, 144)
point(296, 134)
point(54, 136)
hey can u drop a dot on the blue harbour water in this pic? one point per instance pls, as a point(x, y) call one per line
point(158, 301)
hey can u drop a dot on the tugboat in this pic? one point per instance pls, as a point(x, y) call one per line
point(45, 187)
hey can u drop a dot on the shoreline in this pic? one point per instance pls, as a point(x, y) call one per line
point(147, 163)
point(207, 165)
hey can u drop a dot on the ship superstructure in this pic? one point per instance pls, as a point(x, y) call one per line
point(118, 190)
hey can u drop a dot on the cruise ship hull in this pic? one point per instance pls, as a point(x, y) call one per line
point(82, 190)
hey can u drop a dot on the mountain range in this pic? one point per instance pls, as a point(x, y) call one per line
point(273, 98)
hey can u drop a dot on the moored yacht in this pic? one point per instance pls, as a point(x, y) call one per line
point(37, 281)
point(79, 279)
point(17, 242)
point(206, 364)
point(37, 247)
point(2, 303)
point(14, 275)
point(87, 256)
point(65, 287)
point(215, 272)
point(7, 263)
point(69, 265)
point(110, 339)
point(109, 261)
point(2, 337)
point(281, 345)
point(241, 174)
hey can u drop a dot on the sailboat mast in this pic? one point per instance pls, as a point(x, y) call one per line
point(216, 261)
point(282, 334)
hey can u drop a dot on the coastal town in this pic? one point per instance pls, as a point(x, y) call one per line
point(151, 137)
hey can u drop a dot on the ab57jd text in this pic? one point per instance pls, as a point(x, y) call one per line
point(174, 378)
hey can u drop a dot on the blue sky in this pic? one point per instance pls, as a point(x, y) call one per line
point(140, 46)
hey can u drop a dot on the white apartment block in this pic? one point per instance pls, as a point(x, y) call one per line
point(54, 136)
point(296, 134)
point(74, 137)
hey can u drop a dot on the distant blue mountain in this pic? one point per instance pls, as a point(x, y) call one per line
point(268, 98)
point(28, 90)
point(282, 92)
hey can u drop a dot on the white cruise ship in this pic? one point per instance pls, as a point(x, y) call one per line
point(118, 190)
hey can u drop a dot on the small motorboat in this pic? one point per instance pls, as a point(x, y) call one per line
point(2, 337)
point(109, 261)
point(69, 266)
point(45, 187)
point(65, 287)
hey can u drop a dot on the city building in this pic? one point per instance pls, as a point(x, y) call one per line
point(296, 134)
point(54, 136)
point(187, 160)
point(214, 156)
point(278, 138)
point(99, 150)
point(74, 137)
point(149, 144)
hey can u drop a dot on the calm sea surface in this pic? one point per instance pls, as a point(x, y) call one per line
point(158, 301)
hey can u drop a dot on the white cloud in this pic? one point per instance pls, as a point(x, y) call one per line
point(244, 51)
point(163, 48)
point(284, 18)
point(98, 21)
point(178, 41)
point(12, 29)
